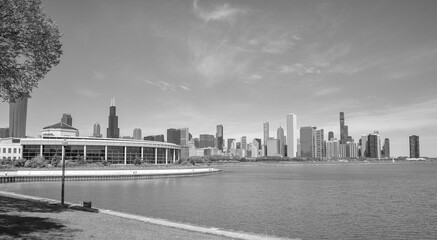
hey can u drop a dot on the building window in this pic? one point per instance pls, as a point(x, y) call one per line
point(4, 150)
point(95, 153)
point(30, 151)
point(49, 151)
point(132, 153)
point(15, 150)
point(149, 155)
point(115, 154)
point(74, 152)
point(161, 155)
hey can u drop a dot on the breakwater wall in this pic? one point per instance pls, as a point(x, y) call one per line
point(95, 175)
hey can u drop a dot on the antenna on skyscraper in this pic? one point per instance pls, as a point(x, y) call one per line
point(112, 102)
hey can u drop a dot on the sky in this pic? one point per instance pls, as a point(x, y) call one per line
point(197, 64)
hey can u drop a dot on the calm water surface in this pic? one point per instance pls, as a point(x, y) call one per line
point(308, 201)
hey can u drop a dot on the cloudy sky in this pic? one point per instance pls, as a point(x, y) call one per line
point(196, 64)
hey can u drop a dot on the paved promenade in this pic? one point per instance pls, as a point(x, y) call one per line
point(28, 217)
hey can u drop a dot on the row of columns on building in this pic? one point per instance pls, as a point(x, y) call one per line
point(125, 154)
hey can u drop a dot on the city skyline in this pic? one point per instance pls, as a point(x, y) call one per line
point(197, 64)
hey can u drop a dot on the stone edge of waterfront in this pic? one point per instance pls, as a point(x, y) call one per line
point(156, 221)
point(105, 172)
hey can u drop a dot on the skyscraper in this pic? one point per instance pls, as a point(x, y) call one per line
point(330, 135)
point(96, 130)
point(259, 142)
point(266, 132)
point(373, 149)
point(206, 140)
point(185, 136)
point(332, 148)
point(414, 147)
point(243, 143)
point(272, 147)
point(307, 142)
point(319, 143)
point(291, 135)
point(4, 132)
point(17, 117)
point(363, 149)
point(137, 134)
point(219, 137)
point(343, 129)
point(174, 136)
point(66, 118)
point(386, 148)
point(112, 131)
point(281, 139)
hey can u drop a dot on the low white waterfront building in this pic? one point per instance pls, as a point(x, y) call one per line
point(115, 151)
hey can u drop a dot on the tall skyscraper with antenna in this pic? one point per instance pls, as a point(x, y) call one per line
point(113, 131)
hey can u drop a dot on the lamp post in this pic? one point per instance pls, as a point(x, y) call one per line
point(64, 144)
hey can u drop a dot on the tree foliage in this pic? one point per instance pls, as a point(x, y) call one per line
point(29, 47)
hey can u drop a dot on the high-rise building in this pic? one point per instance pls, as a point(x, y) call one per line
point(66, 118)
point(414, 147)
point(4, 132)
point(259, 143)
point(174, 136)
point(352, 150)
point(272, 147)
point(137, 134)
point(343, 129)
point(96, 130)
point(319, 143)
point(112, 131)
point(243, 143)
point(255, 147)
point(281, 139)
point(373, 149)
point(342, 150)
point(363, 146)
point(206, 140)
point(266, 132)
point(291, 135)
point(386, 148)
point(232, 145)
point(17, 117)
point(330, 135)
point(332, 148)
point(185, 136)
point(219, 137)
point(307, 142)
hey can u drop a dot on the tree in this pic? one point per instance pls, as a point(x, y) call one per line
point(29, 47)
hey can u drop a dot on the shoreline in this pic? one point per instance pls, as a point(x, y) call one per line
point(35, 175)
point(187, 229)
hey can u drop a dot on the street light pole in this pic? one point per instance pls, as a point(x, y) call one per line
point(64, 144)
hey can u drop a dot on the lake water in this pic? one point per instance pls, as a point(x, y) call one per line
point(308, 201)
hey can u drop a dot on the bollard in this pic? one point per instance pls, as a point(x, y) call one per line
point(87, 204)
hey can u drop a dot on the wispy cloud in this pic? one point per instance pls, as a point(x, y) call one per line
point(299, 69)
point(99, 76)
point(88, 93)
point(166, 86)
point(404, 118)
point(326, 91)
point(223, 12)
point(216, 61)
